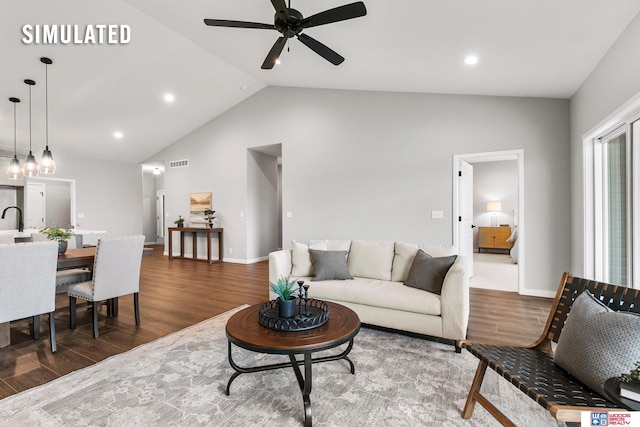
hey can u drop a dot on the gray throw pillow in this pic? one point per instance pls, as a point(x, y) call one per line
point(427, 273)
point(329, 265)
point(597, 343)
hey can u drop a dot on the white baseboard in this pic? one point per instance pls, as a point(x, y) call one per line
point(225, 259)
point(538, 293)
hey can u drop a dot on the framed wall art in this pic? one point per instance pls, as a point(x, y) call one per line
point(198, 203)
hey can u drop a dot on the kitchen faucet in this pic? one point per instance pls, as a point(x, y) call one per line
point(20, 224)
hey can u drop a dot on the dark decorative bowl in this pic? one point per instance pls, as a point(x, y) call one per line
point(315, 313)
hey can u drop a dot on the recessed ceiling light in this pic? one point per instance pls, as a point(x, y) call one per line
point(168, 97)
point(278, 61)
point(471, 60)
point(118, 135)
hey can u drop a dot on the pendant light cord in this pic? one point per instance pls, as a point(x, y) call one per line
point(15, 132)
point(46, 104)
point(29, 119)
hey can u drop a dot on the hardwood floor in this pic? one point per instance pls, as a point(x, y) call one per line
point(179, 293)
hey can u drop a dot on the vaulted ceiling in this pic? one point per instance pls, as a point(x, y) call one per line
point(540, 48)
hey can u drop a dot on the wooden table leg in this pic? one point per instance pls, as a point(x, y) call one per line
point(170, 244)
point(220, 246)
point(5, 334)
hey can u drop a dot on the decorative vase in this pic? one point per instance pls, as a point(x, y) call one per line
point(62, 246)
point(287, 308)
point(180, 225)
point(210, 224)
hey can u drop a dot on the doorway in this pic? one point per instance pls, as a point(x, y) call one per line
point(501, 265)
point(56, 206)
point(264, 201)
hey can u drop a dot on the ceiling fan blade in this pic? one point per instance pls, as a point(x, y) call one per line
point(238, 24)
point(340, 13)
point(282, 11)
point(321, 49)
point(274, 53)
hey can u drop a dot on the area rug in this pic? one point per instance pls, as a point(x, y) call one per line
point(179, 380)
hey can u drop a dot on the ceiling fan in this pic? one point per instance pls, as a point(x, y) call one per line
point(290, 23)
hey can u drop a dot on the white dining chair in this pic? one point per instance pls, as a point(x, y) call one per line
point(68, 276)
point(116, 272)
point(28, 284)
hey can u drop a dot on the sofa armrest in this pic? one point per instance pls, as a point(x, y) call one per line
point(454, 302)
point(279, 265)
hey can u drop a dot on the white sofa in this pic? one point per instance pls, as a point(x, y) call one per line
point(377, 292)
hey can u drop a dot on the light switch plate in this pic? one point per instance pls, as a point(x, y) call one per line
point(437, 214)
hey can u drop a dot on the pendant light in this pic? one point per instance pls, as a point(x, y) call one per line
point(14, 171)
point(30, 167)
point(47, 165)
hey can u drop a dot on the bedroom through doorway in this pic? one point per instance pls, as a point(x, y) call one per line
point(495, 194)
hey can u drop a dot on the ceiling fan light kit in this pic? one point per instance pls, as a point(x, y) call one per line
point(290, 23)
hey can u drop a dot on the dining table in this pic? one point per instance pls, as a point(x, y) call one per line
point(72, 258)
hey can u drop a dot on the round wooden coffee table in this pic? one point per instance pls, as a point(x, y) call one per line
point(244, 331)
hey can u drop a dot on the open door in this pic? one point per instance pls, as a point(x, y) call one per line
point(465, 217)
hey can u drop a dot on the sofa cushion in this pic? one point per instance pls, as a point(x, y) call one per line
point(300, 260)
point(377, 293)
point(406, 252)
point(329, 265)
point(599, 338)
point(371, 260)
point(427, 273)
point(330, 245)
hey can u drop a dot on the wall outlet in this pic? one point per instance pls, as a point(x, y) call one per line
point(80, 215)
point(289, 214)
point(437, 214)
point(241, 214)
point(230, 250)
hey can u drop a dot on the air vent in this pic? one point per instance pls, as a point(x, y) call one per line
point(179, 164)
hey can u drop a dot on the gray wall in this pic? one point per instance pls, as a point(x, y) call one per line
point(58, 202)
point(373, 165)
point(262, 204)
point(614, 81)
point(108, 193)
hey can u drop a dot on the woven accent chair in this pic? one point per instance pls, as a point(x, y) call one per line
point(28, 284)
point(532, 369)
point(68, 276)
point(116, 272)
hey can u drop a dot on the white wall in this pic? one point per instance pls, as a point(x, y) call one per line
point(373, 165)
point(494, 181)
point(613, 82)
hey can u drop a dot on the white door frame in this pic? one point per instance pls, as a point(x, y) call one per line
point(161, 217)
point(72, 194)
point(492, 156)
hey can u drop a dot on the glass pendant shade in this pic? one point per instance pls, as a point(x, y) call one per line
point(14, 171)
point(47, 165)
point(30, 167)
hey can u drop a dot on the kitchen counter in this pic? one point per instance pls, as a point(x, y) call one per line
point(21, 236)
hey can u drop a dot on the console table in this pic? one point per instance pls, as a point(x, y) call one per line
point(194, 233)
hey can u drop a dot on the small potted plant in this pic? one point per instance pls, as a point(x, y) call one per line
point(59, 235)
point(179, 222)
point(208, 215)
point(630, 383)
point(285, 288)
